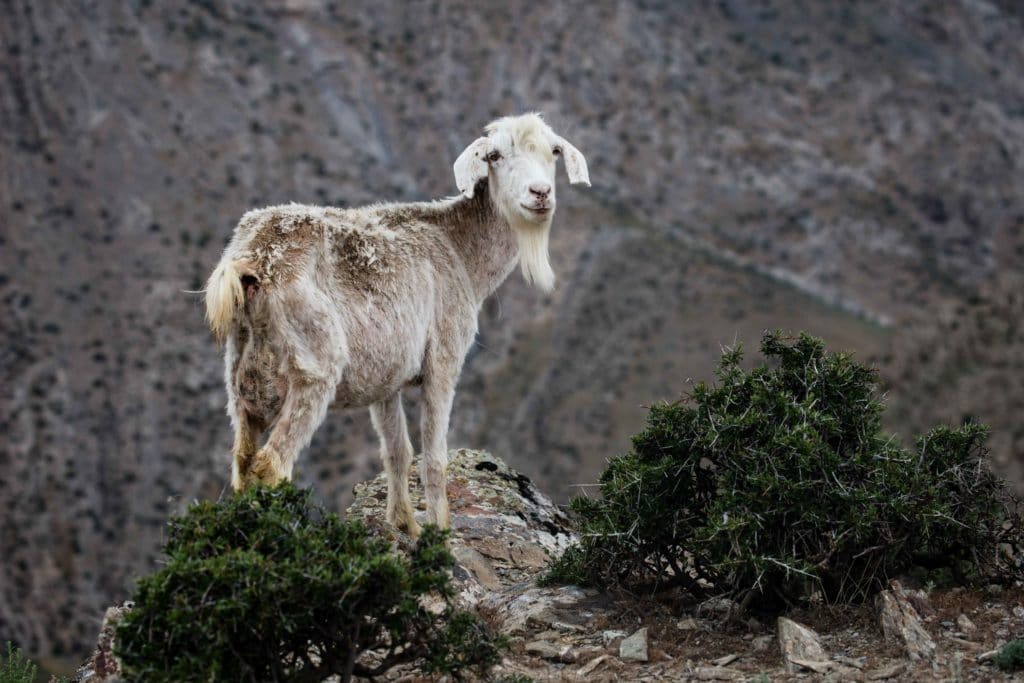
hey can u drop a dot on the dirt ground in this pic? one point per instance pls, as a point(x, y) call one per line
point(686, 641)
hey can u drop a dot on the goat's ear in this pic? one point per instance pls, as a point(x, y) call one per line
point(575, 163)
point(471, 166)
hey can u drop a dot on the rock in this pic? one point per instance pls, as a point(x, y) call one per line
point(1018, 612)
point(800, 646)
point(103, 665)
point(472, 561)
point(891, 671)
point(554, 651)
point(714, 673)
point(855, 662)
point(503, 526)
point(688, 624)
point(726, 660)
point(970, 644)
point(634, 648)
point(986, 656)
point(611, 636)
point(761, 643)
point(590, 666)
point(719, 607)
point(901, 623)
point(821, 667)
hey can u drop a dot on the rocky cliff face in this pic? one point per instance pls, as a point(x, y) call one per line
point(831, 167)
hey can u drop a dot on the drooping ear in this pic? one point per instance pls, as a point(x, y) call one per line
point(471, 166)
point(575, 164)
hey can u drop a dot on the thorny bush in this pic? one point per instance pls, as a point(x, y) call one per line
point(267, 586)
point(778, 483)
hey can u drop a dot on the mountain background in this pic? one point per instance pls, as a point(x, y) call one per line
point(850, 169)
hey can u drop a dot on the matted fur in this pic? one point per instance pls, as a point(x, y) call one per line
point(320, 306)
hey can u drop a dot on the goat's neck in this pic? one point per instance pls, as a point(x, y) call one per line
point(484, 240)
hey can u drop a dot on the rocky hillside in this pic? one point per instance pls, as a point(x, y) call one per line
point(834, 167)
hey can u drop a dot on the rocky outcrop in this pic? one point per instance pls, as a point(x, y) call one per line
point(504, 530)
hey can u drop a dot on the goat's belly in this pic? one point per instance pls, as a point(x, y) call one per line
point(372, 380)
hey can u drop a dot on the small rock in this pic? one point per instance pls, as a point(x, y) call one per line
point(901, 623)
point(994, 589)
point(821, 667)
point(549, 650)
point(986, 656)
point(800, 645)
point(761, 643)
point(965, 643)
point(1018, 612)
point(688, 624)
point(725, 661)
point(475, 563)
point(855, 662)
point(891, 671)
point(964, 623)
point(609, 637)
point(1006, 550)
point(717, 606)
point(569, 628)
point(634, 648)
point(590, 666)
point(714, 673)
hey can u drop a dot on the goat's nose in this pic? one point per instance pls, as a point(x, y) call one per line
point(542, 190)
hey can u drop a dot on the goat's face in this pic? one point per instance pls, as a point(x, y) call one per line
point(517, 157)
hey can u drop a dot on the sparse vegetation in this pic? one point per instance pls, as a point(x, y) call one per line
point(267, 586)
point(778, 483)
point(15, 667)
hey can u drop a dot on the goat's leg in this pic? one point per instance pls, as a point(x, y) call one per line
point(396, 452)
point(304, 408)
point(438, 393)
point(247, 431)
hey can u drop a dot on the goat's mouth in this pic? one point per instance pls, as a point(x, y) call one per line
point(540, 211)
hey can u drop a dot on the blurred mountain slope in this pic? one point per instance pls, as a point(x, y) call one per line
point(835, 167)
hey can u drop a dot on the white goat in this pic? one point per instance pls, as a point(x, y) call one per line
point(347, 306)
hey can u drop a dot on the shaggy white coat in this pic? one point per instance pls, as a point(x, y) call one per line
point(320, 306)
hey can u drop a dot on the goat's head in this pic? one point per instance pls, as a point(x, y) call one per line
point(517, 157)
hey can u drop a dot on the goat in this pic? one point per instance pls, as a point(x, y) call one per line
point(319, 306)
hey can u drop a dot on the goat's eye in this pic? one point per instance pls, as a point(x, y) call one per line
point(493, 156)
point(557, 151)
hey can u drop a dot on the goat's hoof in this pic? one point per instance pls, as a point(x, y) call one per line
point(265, 468)
point(405, 522)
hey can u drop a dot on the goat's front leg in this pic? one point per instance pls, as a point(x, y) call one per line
point(396, 452)
point(304, 408)
point(438, 393)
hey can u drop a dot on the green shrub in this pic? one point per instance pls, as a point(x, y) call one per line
point(777, 482)
point(15, 668)
point(1011, 656)
point(267, 586)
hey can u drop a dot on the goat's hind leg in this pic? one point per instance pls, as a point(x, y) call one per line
point(304, 408)
point(396, 452)
point(243, 452)
point(247, 432)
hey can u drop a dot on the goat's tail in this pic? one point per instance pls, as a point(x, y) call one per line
point(225, 295)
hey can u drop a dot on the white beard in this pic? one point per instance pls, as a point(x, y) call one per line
point(533, 254)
